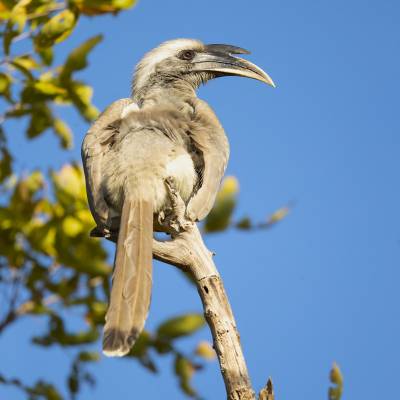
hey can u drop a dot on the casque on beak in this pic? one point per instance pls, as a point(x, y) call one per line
point(218, 58)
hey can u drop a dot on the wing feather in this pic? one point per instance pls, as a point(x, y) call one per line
point(96, 143)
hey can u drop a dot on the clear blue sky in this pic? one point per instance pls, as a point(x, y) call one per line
point(324, 284)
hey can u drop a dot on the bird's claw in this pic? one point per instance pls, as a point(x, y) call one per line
point(179, 224)
point(177, 219)
point(106, 233)
point(161, 217)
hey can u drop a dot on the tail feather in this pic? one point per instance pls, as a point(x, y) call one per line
point(132, 279)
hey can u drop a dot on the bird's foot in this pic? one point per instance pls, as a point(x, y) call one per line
point(161, 217)
point(104, 232)
point(177, 217)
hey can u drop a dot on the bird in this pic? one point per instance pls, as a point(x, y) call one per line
point(163, 130)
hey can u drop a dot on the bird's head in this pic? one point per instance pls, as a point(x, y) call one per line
point(191, 62)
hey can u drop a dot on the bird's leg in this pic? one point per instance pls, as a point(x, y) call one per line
point(176, 219)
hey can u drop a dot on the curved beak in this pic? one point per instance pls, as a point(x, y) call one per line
point(218, 58)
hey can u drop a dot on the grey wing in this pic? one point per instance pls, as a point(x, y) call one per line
point(95, 144)
point(214, 150)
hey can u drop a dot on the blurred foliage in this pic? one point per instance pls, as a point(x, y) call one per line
point(336, 377)
point(221, 216)
point(49, 267)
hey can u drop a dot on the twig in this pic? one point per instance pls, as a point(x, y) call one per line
point(24, 309)
point(187, 251)
point(58, 6)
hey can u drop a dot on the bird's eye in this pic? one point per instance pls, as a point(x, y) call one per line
point(187, 55)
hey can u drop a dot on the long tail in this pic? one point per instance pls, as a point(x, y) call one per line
point(132, 279)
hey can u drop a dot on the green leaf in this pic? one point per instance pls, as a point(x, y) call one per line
point(71, 226)
point(181, 326)
point(18, 14)
point(56, 29)
point(69, 185)
point(45, 390)
point(220, 216)
point(5, 81)
point(46, 55)
point(5, 164)
point(244, 223)
point(49, 88)
point(41, 119)
point(142, 345)
point(77, 60)
point(89, 356)
point(184, 370)
point(81, 96)
point(64, 133)
point(26, 61)
point(5, 9)
point(97, 312)
point(5, 85)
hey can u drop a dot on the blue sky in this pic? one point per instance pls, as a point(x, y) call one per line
point(323, 285)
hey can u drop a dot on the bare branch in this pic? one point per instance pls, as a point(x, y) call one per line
point(187, 251)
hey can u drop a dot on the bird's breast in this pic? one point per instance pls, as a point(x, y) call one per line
point(182, 169)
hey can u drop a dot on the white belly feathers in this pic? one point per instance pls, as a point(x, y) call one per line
point(182, 169)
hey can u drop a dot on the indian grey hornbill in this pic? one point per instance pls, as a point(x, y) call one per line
point(163, 131)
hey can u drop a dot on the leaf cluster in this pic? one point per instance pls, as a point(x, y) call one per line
point(49, 267)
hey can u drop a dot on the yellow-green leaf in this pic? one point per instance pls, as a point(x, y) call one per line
point(41, 119)
point(18, 14)
point(69, 182)
point(5, 164)
point(56, 29)
point(220, 216)
point(184, 369)
point(26, 61)
point(336, 377)
point(181, 326)
point(141, 345)
point(46, 54)
point(244, 223)
point(34, 181)
point(64, 133)
point(5, 82)
point(96, 7)
point(89, 356)
point(71, 226)
point(48, 88)
point(77, 60)
point(205, 350)
point(278, 215)
point(5, 11)
point(81, 96)
point(42, 237)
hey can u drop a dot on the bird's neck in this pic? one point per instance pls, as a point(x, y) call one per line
point(173, 93)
